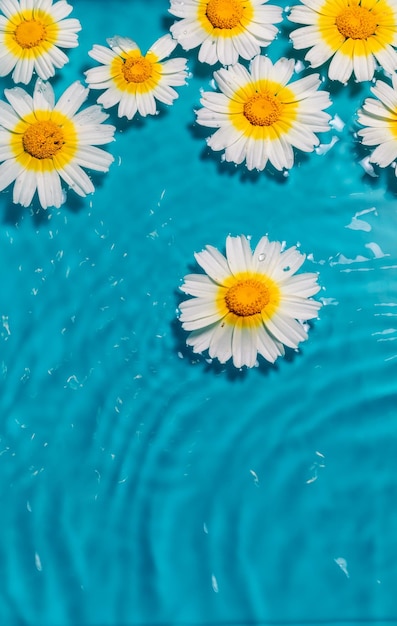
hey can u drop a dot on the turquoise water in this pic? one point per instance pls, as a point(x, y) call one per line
point(142, 484)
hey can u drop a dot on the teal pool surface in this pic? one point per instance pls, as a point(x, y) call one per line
point(142, 484)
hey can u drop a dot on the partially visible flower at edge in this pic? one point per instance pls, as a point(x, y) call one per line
point(261, 116)
point(224, 29)
point(42, 142)
point(31, 35)
point(354, 34)
point(135, 81)
point(379, 116)
point(248, 302)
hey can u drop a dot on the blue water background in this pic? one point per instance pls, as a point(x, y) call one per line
point(142, 484)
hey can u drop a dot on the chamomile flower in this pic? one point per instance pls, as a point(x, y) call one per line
point(248, 303)
point(261, 116)
point(32, 33)
point(225, 29)
point(135, 81)
point(379, 116)
point(42, 142)
point(354, 33)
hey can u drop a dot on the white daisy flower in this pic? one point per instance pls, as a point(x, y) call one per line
point(380, 120)
point(261, 116)
point(354, 33)
point(42, 141)
point(248, 302)
point(31, 35)
point(225, 29)
point(135, 81)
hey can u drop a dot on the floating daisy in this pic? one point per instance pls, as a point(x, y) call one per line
point(380, 119)
point(225, 29)
point(355, 33)
point(42, 142)
point(261, 116)
point(31, 35)
point(135, 81)
point(248, 302)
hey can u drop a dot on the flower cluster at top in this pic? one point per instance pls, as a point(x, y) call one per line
point(247, 302)
point(260, 113)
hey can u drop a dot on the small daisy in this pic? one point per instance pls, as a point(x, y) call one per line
point(261, 116)
point(354, 32)
point(41, 142)
point(249, 302)
point(380, 119)
point(134, 81)
point(31, 35)
point(225, 29)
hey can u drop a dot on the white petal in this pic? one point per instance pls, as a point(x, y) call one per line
point(199, 285)
point(102, 54)
point(94, 158)
point(244, 343)
point(77, 179)
point(60, 10)
point(221, 341)
point(341, 67)
point(213, 263)
point(286, 330)
point(200, 339)
point(302, 285)
point(268, 346)
point(49, 189)
point(9, 170)
point(299, 308)
point(43, 96)
point(8, 119)
point(25, 188)
point(72, 99)
point(20, 100)
point(163, 47)
point(198, 309)
point(384, 154)
point(238, 254)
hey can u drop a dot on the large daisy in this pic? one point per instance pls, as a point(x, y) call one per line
point(261, 116)
point(225, 29)
point(354, 32)
point(135, 81)
point(248, 302)
point(380, 120)
point(31, 35)
point(42, 141)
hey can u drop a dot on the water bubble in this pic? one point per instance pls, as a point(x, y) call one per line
point(261, 256)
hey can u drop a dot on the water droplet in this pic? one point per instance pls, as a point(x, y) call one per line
point(261, 256)
point(37, 562)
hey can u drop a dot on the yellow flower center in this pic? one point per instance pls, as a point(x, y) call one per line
point(356, 23)
point(247, 297)
point(42, 140)
point(30, 33)
point(263, 109)
point(224, 13)
point(137, 69)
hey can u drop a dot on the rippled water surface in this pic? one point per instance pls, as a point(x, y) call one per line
point(141, 484)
